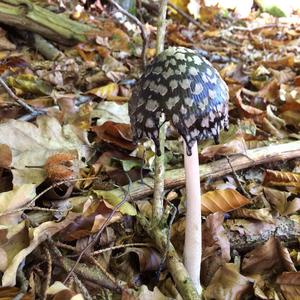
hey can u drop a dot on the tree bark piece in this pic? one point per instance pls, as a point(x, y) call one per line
point(219, 168)
point(283, 228)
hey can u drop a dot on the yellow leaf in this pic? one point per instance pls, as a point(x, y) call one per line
point(108, 91)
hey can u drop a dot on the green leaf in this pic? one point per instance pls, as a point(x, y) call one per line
point(114, 200)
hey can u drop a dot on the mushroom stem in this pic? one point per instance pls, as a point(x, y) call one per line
point(193, 236)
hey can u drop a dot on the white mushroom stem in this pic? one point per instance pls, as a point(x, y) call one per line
point(193, 235)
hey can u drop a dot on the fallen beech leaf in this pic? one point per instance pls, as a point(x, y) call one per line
point(38, 235)
point(216, 246)
point(279, 178)
point(222, 200)
point(31, 145)
point(111, 111)
point(115, 133)
point(28, 83)
point(289, 283)
point(16, 198)
point(247, 109)
point(106, 91)
point(268, 259)
point(291, 118)
point(208, 13)
point(94, 215)
point(277, 199)
point(14, 238)
point(5, 156)
point(286, 61)
point(237, 145)
point(262, 214)
point(228, 284)
point(148, 258)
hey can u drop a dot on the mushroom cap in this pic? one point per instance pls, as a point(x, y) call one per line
point(185, 87)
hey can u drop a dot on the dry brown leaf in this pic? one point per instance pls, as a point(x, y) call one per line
point(270, 258)
point(289, 283)
point(277, 199)
point(262, 214)
point(236, 146)
point(115, 133)
point(216, 247)
point(222, 200)
point(228, 284)
point(5, 156)
point(279, 178)
point(246, 109)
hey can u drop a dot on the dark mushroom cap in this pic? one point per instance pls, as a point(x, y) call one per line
point(188, 90)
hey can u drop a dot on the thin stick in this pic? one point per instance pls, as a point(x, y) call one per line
point(158, 198)
point(139, 23)
point(19, 100)
point(71, 248)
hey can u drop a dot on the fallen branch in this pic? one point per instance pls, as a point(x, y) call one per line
point(283, 228)
point(26, 15)
point(219, 168)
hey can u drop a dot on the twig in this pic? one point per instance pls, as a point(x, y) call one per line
point(89, 273)
point(258, 27)
point(187, 16)
point(19, 100)
point(33, 208)
point(71, 248)
point(236, 179)
point(102, 269)
point(158, 197)
point(141, 26)
point(84, 291)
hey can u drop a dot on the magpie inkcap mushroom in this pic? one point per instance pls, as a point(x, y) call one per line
point(185, 87)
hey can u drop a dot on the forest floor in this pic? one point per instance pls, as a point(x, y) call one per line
point(68, 160)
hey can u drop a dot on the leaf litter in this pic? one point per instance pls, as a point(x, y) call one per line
point(87, 204)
